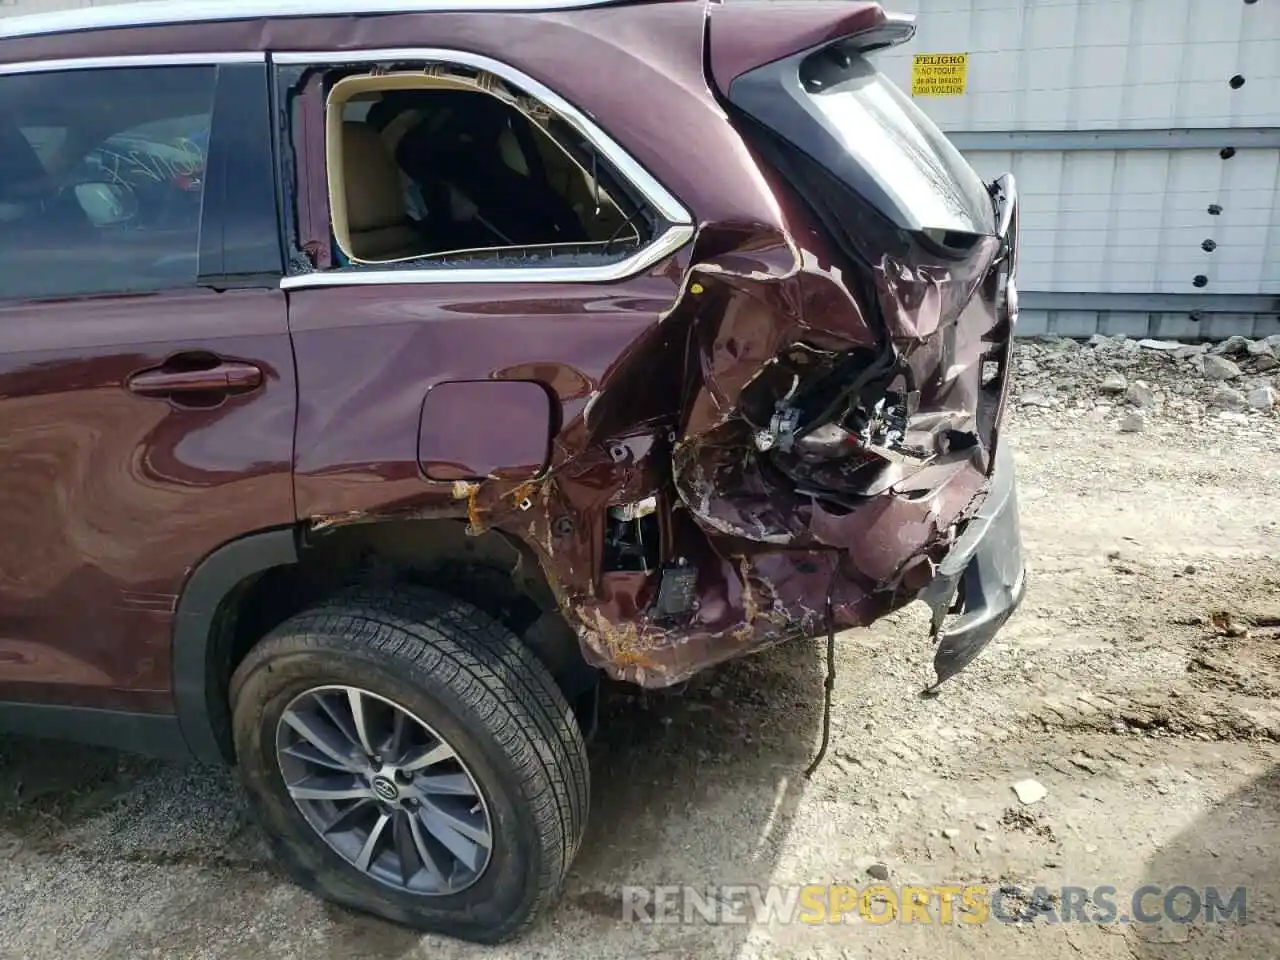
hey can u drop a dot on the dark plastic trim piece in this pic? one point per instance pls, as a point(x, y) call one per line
point(152, 734)
point(195, 693)
point(984, 571)
point(240, 229)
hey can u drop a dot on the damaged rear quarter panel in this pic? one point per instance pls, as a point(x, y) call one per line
point(662, 385)
point(658, 383)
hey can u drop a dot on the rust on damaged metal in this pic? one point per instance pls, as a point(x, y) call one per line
point(767, 554)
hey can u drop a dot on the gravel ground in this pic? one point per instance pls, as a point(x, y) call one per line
point(1139, 684)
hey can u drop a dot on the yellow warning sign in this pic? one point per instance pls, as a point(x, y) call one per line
point(939, 74)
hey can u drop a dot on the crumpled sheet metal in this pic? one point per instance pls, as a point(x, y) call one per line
point(931, 311)
point(769, 558)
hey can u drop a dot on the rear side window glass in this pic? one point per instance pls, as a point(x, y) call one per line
point(102, 176)
point(879, 125)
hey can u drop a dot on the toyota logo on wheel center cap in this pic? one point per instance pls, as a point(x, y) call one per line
point(385, 789)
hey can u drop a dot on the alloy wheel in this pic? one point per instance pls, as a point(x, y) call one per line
point(384, 790)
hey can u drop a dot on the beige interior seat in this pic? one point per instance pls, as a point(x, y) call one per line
point(377, 226)
point(512, 153)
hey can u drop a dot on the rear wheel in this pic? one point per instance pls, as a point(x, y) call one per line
point(409, 757)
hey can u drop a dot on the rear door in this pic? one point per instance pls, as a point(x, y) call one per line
point(147, 395)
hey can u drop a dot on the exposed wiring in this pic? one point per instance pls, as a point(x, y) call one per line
point(830, 684)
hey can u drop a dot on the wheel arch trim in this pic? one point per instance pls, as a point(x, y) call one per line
point(194, 693)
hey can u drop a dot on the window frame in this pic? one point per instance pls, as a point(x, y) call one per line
point(347, 90)
point(211, 254)
point(675, 228)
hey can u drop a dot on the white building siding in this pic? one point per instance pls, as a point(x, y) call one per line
point(1100, 64)
point(1137, 221)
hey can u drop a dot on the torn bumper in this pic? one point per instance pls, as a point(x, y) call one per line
point(982, 579)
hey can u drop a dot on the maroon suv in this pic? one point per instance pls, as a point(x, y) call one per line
point(375, 377)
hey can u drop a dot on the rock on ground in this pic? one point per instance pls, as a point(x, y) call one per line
point(1030, 791)
point(1140, 395)
point(1262, 398)
point(1134, 421)
point(1228, 398)
point(1173, 385)
point(1219, 368)
point(1114, 382)
point(1231, 346)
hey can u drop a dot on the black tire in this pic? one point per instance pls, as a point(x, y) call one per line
point(472, 680)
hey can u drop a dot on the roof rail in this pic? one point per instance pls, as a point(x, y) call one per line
point(162, 12)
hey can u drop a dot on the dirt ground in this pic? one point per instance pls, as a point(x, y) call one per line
point(1155, 735)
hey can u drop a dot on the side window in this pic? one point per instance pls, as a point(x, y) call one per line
point(436, 165)
point(102, 177)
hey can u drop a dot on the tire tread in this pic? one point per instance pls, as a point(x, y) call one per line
point(500, 681)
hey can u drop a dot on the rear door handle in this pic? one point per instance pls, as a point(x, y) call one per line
point(225, 376)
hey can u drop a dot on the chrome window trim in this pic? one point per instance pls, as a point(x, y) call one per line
point(680, 221)
point(140, 60)
point(163, 12)
point(668, 206)
point(668, 243)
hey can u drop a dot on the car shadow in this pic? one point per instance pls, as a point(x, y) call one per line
point(696, 787)
point(1236, 844)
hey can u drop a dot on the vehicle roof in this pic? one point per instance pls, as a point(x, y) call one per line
point(166, 12)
